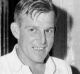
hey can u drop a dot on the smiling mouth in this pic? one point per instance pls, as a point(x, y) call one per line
point(39, 48)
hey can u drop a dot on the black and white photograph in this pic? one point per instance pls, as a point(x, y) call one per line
point(39, 36)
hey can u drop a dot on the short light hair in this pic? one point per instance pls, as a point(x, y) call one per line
point(29, 6)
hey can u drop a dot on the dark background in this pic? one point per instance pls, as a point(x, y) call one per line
point(12, 40)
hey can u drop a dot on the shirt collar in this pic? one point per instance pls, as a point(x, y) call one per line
point(50, 66)
point(19, 66)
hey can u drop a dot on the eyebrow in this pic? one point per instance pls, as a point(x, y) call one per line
point(51, 27)
point(30, 26)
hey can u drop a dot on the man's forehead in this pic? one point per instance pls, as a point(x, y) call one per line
point(43, 20)
point(35, 15)
point(46, 16)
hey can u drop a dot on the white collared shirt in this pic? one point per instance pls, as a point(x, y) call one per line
point(11, 64)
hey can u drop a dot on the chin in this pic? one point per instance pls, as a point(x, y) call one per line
point(40, 60)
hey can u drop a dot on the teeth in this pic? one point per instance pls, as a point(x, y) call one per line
point(37, 48)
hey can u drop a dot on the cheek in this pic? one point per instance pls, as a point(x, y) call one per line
point(23, 40)
point(50, 42)
point(26, 39)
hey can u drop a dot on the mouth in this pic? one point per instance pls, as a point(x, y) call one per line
point(39, 48)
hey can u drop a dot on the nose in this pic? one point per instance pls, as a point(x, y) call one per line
point(43, 38)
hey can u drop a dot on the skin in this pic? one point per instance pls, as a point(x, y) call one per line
point(35, 40)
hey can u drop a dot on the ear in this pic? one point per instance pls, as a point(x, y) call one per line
point(15, 30)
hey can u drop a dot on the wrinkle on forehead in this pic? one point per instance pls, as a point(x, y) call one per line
point(39, 18)
point(35, 13)
point(42, 15)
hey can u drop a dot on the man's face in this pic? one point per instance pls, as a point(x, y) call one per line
point(37, 36)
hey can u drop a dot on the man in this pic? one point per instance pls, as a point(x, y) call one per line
point(33, 27)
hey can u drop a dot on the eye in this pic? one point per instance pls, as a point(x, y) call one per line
point(32, 29)
point(50, 30)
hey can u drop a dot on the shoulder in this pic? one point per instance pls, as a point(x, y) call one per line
point(62, 66)
point(6, 57)
point(9, 63)
point(4, 68)
point(3, 59)
point(59, 61)
point(5, 62)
